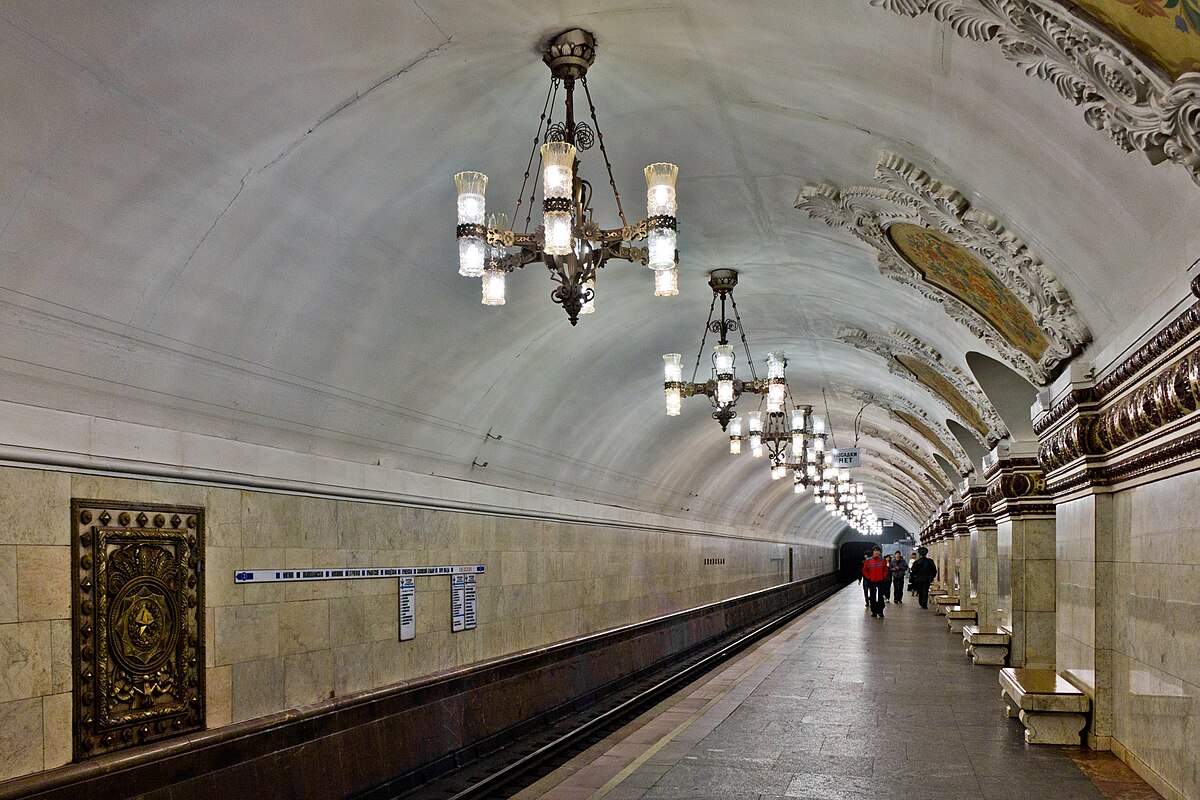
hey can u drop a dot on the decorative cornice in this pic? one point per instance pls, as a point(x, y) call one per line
point(977, 509)
point(907, 195)
point(1016, 489)
point(901, 342)
point(1185, 330)
point(1121, 91)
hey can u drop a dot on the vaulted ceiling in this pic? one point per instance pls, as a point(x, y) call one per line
point(237, 220)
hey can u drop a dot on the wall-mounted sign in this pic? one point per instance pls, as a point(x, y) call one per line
point(408, 609)
point(351, 573)
point(887, 523)
point(846, 457)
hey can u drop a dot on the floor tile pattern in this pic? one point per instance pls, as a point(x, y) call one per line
point(840, 706)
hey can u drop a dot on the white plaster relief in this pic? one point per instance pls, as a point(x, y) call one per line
point(902, 342)
point(894, 437)
point(1122, 92)
point(908, 195)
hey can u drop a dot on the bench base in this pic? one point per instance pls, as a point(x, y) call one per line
point(1052, 727)
point(988, 655)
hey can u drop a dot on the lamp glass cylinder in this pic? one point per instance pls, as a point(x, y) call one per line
point(660, 189)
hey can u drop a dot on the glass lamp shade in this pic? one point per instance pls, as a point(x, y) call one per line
point(672, 367)
point(558, 232)
point(493, 287)
point(735, 445)
point(724, 392)
point(776, 362)
point(472, 254)
point(819, 443)
point(661, 244)
point(797, 421)
point(735, 435)
point(660, 189)
point(798, 487)
point(666, 282)
point(797, 443)
point(558, 162)
point(756, 450)
point(674, 401)
point(471, 189)
point(755, 423)
point(818, 425)
point(778, 471)
point(589, 307)
point(811, 472)
point(723, 358)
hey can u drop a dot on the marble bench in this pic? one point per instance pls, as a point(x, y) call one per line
point(1051, 709)
point(958, 616)
point(944, 601)
point(986, 645)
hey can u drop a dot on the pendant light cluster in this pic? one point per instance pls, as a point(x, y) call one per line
point(723, 387)
point(570, 243)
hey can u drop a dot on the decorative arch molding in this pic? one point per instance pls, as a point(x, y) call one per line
point(910, 476)
point(902, 411)
point(1122, 91)
point(1028, 318)
point(978, 416)
point(910, 450)
point(901, 483)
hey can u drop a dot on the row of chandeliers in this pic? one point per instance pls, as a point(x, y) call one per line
point(792, 436)
point(573, 247)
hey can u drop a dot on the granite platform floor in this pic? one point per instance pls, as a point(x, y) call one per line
point(840, 706)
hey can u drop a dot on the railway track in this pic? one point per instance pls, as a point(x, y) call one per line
point(520, 763)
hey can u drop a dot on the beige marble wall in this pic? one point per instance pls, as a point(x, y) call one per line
point(1155, 591)
point(962, 565)
point(274, 647)
point(984, 570)
point(1075, 551)
point(1004, 575)
point(1031, 565)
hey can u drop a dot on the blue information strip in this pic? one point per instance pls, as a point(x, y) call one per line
point(351, 573)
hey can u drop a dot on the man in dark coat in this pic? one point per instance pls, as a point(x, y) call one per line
point(923, 572)
point(877, 579)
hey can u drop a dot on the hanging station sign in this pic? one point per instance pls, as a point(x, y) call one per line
point(847, 457)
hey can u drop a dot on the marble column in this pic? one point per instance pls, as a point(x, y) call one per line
point(1025, 539)
point(984, 563)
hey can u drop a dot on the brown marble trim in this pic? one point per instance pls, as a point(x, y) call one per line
point(1157, 459)
point(350, 744)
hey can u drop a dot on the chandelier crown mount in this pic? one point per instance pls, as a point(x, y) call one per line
point(722, 281)
point(570, 53)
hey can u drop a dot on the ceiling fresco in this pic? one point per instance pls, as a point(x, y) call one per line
point(933, 380)
point(1168, 31)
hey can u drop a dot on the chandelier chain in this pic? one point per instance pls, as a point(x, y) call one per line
point(742, 333)
point(537, 142)
point(711, 308)
point(604, 153)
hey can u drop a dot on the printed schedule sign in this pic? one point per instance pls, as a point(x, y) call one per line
point(408, 609)
point(468, 602)
point(458, 620)
point(351, 573)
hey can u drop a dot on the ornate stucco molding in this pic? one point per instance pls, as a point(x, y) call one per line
point(910, 449)
point(907, 196)
point(919, 494)
point(939, 435)
point(1121, 91)
point(913, 477)
point(977, 509)
point(1140, 419)
point(900, 342)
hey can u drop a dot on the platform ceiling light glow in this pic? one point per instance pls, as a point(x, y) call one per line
point(569, 241)
point(723, 388)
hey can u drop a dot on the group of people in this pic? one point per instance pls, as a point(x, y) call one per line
point(883, 576)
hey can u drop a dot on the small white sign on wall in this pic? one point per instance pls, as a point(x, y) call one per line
point(408, 609)
point(469, 607)
point(458, 619)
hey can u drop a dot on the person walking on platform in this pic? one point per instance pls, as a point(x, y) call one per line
point(912, 559)
point(923, 573)
point(897, 568)
point(877, 579)
point(865, 585)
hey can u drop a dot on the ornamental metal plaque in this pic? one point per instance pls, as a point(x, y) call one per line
point(138, 623)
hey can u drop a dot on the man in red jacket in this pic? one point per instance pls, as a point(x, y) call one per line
point(876, 577)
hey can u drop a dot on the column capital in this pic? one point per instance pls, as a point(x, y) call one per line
point(1016, 489)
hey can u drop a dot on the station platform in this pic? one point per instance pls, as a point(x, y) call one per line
point(840, 706)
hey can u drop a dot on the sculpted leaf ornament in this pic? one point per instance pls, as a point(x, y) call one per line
point(1122, 92)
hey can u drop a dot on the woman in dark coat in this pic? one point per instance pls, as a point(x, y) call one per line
point(923, 573)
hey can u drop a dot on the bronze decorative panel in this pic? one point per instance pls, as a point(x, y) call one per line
point(138, 623)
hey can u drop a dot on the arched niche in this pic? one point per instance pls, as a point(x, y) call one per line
point(969, 442)
point(949, 469)
point(1009, 392)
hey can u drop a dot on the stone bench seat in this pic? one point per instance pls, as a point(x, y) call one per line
point(943, 601)
point(1052, 710)
point(986, 645)
point(958, 616)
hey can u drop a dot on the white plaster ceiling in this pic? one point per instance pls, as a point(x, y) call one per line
point(237, 219)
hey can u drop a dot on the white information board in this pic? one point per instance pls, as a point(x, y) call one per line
point(351, 573)
point(408, 609)
point(847, 457)
point(458, 620)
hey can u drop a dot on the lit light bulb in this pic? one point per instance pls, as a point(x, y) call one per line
point(660, 246)
point(666, 282)
point(472, 253)
point(558, 232)
point(660, 189)
point(493, 287)
point(735, 436)
point(672, 376)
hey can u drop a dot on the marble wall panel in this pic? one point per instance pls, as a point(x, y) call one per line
point(21, 737)
point(273, 647)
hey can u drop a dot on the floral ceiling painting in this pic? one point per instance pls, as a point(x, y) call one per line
point(953, 269)
point(933, 380)
point(1167, 31)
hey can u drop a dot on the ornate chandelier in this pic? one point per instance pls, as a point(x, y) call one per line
point(723, 388)
point(793, 437)
point(569, 241)
point(848, 502)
